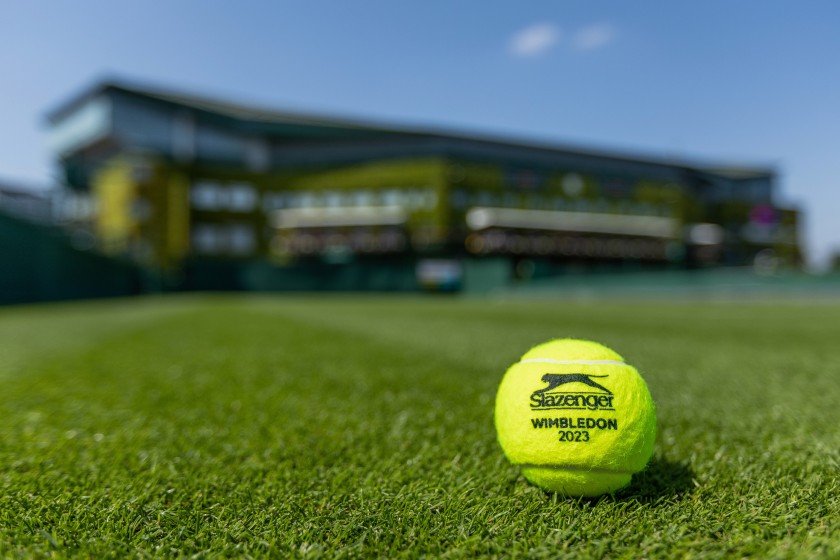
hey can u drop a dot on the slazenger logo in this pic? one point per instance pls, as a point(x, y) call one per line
point(554, 397)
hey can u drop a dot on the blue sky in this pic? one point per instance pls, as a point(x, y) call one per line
point(740, 81)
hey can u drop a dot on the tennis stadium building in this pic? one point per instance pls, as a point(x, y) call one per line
point(208, 191)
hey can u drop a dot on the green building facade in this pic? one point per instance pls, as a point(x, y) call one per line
point(193, 187)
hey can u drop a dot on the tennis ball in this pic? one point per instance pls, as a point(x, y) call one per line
point(576, 418)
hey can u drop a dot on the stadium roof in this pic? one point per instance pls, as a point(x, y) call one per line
point(259, 115)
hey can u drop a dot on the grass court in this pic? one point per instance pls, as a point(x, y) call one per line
point(341, 427)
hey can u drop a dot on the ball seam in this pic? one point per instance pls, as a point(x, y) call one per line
point(574, 468)
point(564, 362)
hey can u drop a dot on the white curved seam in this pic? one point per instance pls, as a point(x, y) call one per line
point(563, 362)
point(574, 468)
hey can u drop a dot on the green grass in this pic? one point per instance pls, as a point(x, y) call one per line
point(360, 427)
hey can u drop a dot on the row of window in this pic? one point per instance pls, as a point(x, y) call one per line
point(407, 197)
point(242, 197)
point(224, 239)
point(750, 191)
point(310, 243)
point(531, 201)
point(569, 246)
point(235, 197)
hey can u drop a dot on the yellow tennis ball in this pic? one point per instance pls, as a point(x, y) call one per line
point(576, 418)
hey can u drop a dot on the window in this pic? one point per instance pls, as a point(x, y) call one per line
point(206, 239)
point(306, 200)
point(333, 200)
point(238, 197)
point(242, 197)
point(272, 201)
point(217, 143)
point(293, 200)
point(755, 190)
point(222, 197)
point(204, 195)
point(392, 197)
point(216, 239)
point(363, 198)
point(257, 154)
point(459, 199)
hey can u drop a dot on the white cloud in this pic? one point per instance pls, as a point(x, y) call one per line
point(593, 37)
point(535, 40)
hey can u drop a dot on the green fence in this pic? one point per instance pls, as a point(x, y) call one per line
point(359, 276)
point(39, 263)
point(727, 283)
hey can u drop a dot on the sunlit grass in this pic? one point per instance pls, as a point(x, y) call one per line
point(343, 426)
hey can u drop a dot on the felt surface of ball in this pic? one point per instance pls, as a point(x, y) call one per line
point(576, 418)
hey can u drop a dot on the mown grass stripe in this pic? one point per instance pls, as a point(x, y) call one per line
point(363, 426)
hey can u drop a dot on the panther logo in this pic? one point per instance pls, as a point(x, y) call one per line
point(554, 380)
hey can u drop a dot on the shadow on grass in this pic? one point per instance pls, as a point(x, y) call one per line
point(662, 478)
